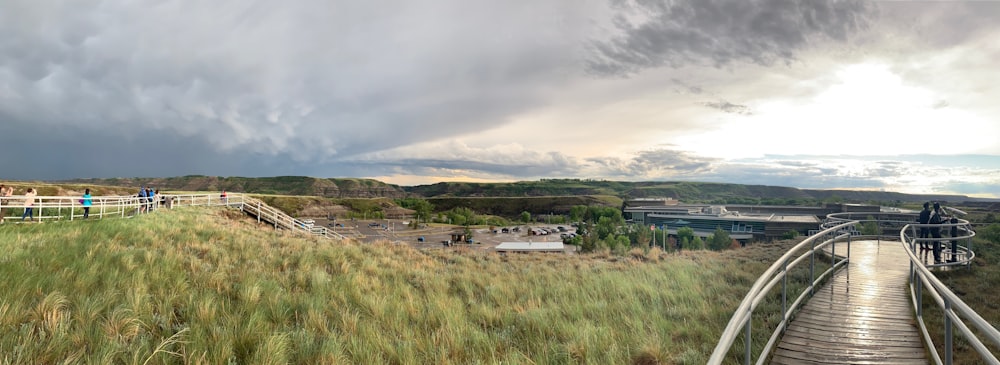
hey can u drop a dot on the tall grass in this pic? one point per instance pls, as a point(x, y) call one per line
point(202, 286)
point(976, 287)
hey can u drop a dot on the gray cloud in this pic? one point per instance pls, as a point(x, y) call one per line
point(721, 32)
point(728, 107)
point(311, 80)
point(652, 164)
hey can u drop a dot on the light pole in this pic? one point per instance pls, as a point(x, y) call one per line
point(664, 238)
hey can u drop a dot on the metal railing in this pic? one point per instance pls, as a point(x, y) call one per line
point(890, 226)
point(53, 208)
point(56, 208)
point(806, 250)
point(957, 314)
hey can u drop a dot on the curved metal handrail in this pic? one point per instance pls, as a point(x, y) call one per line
point(741, 320)
point(889, 224)
point(953, 307)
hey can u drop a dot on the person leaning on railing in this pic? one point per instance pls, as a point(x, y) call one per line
point(29, 202)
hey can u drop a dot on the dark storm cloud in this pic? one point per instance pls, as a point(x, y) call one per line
point(305, 81)
point(722, 32)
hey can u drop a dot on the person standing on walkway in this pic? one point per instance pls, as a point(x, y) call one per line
point(925, 216)
point(87, 202)
point(223, 198)
point(937, 218)
point(29, 202)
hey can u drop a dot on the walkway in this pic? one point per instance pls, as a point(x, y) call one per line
point(862, 316)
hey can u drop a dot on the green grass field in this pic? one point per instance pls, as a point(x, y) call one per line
point(207, 286)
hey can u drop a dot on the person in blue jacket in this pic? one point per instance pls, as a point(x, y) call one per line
point(142, 199)
point(87, 202)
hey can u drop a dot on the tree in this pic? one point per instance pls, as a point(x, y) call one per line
point(525, 217)
point(790, 235)
point(577, 213)
point(642, 234)
point(697, 244)
point(870, 227)
point(685, 234)
point(421, 207)
point(605, 227)
point(720, 240)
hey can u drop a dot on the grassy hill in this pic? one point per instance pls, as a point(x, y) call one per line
point(368, 188)
point(284, 185)
point(513, 206)
point(684, 191)
point(207, 286)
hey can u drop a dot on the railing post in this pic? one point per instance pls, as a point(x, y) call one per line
point(784, 290)
point(746, 356)
point(920, 296)
point(947, 331)
point(812, 265)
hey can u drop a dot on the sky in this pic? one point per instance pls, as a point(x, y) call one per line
point(881, 95)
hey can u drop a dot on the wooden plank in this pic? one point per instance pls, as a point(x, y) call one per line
point(861, 316)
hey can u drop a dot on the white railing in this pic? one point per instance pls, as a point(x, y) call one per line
point(50, 208)
point(778, 273)
point(957, 314)
point(54, 208)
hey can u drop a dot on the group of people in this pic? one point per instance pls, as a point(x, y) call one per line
point(6, 192)
point(147, 197)
point(29, 201)
point(933, 218)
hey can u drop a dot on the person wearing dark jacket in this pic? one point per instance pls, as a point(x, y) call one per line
point(937, 217)
point(925, 217)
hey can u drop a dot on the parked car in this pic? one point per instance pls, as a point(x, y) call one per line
point(420, 239)
point(374, 224)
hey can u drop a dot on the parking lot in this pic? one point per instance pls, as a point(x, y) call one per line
point(434, 235)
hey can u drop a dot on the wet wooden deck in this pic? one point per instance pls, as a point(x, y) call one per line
point(861, 316)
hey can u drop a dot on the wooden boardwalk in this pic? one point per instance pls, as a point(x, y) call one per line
point(861, 316)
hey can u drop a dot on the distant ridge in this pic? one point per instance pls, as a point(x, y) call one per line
point(370, 188)
point(282, 185)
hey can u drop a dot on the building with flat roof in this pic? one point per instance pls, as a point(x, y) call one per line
point(762, 224)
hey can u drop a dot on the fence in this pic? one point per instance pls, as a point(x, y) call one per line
point(56, 208)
